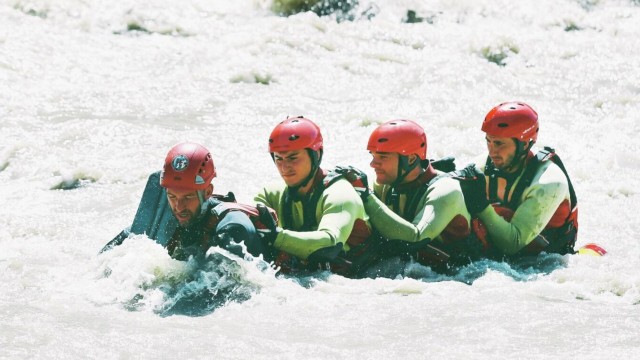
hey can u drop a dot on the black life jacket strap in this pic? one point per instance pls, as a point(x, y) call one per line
point(410, 212)
point(525, 180)
point(546, 154)
point(287, 215)
point(446, 165)
point(393, 198)
point(491, 171)
point(310, 202)
point(556, 159)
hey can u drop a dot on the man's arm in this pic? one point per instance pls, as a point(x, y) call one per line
point(340, 207)
point(539, 203)
point(236, 227)
point(440, 204)
point(271, 197)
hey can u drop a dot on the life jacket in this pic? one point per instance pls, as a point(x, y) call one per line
point(228, 203)
point(334, 258)
point(432, 254)
point(560, 234)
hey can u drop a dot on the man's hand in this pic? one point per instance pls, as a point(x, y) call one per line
point(357, 178)
point(474, 188)
point(272, 230)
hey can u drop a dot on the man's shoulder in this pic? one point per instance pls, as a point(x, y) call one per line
point(445, 183)
point(445, 189)
point(340, 188)
point(550, 172)
point(549, 179)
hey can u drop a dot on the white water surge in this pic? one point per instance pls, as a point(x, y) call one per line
point(94, 93)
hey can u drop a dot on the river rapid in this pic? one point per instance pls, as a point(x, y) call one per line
point(94, 93)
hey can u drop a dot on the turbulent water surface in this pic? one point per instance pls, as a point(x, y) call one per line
point(94, 93)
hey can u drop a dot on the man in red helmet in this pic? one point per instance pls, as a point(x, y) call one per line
point(534, 204)
point(415, 206)
point(197, 219)
point(322, 221)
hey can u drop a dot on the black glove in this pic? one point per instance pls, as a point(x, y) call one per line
point(474, 188)
point(357, 178)
point(271, 231)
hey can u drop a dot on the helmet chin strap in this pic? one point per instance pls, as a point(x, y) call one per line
point(519, 156)
point(203, 209)
point(404, 168)
point(201, 197)
point(316, 158)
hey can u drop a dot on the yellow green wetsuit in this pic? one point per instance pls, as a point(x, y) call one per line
point(544, 203)
point(420, 210)
point(339, 217)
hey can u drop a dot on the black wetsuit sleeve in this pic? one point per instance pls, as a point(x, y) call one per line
point(236, 227)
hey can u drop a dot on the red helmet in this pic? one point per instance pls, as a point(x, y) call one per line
point(294, 134)
point(399, 136)
point(512, 120)
point(188, 166)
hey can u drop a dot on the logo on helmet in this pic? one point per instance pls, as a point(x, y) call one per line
point(180, 163)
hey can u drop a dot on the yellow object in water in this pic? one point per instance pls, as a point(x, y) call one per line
point(592, 249)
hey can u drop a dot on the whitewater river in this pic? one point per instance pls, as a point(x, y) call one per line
point(94, 93)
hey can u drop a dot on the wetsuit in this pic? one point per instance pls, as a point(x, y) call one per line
point(329, 220)
point(427, 208)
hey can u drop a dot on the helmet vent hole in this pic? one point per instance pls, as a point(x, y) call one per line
point(422, 145)
point(503, 125)
point(381, 140)
point(293, 137)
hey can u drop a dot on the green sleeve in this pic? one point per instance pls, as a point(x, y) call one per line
point(338, 209)
point(272, 197)
point(539, 202)
point(442, 202)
